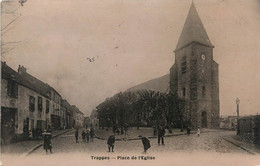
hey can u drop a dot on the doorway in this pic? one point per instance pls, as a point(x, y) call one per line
point(8, 124)
point(204, 119)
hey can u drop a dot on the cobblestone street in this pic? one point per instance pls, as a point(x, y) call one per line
point(177, 149)
point(207, 142)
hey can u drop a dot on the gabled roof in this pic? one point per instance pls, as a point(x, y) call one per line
point(26, 80)
point(9, 74)
point(193, 30)
point(37, 85)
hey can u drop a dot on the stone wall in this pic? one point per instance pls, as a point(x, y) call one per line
point(249, 129)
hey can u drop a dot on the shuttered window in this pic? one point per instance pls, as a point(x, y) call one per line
point(12, 89)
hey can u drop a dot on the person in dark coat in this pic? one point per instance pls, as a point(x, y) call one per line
point(92, 134)
point(77, 135)
point(188, 130)
point(125, 130)
point(83, 135)
point(146, 143)
point(117, 131)
point(47, 141)
point(87, 135)
point(111, 142)
point(161, 133)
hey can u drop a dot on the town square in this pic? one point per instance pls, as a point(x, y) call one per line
point(130, 82)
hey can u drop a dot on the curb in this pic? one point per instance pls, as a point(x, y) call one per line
point(41, 144)
point(240, 146)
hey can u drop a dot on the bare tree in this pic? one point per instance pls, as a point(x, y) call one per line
point(14, 15)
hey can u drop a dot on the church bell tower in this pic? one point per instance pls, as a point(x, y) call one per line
point(194, 76)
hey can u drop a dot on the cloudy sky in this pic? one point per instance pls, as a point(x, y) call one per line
point(131, 41)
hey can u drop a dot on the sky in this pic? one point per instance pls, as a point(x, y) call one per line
point(131, 41)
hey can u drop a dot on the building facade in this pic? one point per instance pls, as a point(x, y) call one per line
point(28, 104)
point(194, 76)
point(78, 117)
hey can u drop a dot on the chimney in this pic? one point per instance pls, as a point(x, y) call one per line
point(21, 69)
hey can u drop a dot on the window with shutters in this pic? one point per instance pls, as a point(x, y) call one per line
point(32, 103)
point(12, 89)
point(47, 106)
point(39, 103)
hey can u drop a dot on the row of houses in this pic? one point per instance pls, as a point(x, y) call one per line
point(28, 104)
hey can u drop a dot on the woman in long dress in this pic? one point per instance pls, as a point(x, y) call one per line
point(47, 141)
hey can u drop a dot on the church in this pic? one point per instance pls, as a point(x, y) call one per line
point(194, 76)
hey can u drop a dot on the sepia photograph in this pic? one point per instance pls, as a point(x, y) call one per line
point(130, 82)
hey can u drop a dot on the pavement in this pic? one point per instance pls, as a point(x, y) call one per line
point(26, 147)
point(249, 147)
point(208, 142)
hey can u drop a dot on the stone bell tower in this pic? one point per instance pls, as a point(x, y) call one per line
point(194, 76)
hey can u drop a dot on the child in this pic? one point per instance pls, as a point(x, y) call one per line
point(198, 131)
point(111, 141)
point(146, 143)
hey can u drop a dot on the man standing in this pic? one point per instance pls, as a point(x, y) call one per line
point(161, 133)
point(188, 130)
point(77, 135)
point(83, 135)
point(110, 142)
point(125, 130)
point(92, 134)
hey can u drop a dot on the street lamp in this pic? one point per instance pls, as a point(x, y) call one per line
point(238, 128)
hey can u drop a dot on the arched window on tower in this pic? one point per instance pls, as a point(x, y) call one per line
point(183, 65)
point(203, 91)
point(183, 92)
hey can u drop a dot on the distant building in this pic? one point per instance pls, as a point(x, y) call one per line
point(55, 115)
point(78, 117)
point(87, 121)
point(69, 113)
point(194, 76)
point(228, 122)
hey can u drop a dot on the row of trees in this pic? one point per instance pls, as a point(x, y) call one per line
point(143, 108)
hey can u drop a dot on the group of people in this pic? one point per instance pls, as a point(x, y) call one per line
point(87, 136)
point(145, 140)
point(124, 129)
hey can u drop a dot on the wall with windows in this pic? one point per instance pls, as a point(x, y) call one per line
point(31, 105)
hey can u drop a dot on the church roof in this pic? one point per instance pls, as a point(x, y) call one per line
point(193, 30)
